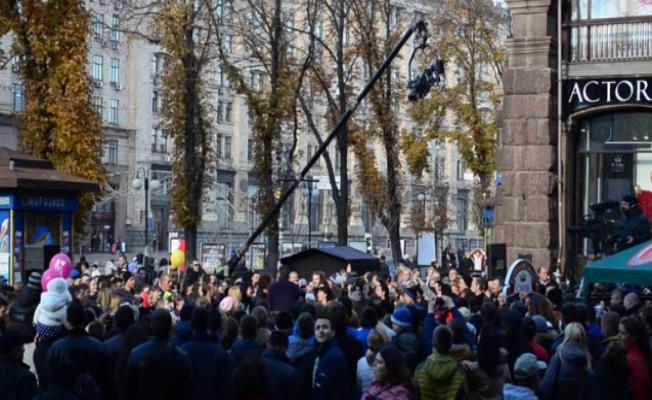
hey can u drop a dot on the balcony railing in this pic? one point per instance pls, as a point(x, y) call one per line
point(617, 39)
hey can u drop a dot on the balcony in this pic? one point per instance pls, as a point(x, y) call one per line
point(610, 40)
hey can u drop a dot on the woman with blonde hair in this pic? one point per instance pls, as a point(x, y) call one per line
point(376, 340)
point(565, 376)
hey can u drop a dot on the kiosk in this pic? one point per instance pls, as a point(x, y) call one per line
point(36, 211)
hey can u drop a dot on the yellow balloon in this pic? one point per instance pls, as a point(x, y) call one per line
point(177, 258)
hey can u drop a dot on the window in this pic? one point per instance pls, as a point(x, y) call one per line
point(227, 147)
point(112, 153)
point(113, 111)
point(98, 62)
point(310, 152)
point(18, 92)
point(159, 140)
point(460, 170)
point(224, 11)
point(395, 13)
point(224, 190)
point(115, 28)
point(98, 105)
point(157, 64)
point(220, 111)
point(218, 146)
point(440, 169)
point(250, 150)
point(253, 19)
point(256, 80)
point(155, 101)
point(462, 220)
point(114, 71)
point(228, 44)
point(228, 107)
point(222, 78)
point(98, 25)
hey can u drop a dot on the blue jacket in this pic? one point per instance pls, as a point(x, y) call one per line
point(245, 348)
point(299, 347)
point(88, 355)
point(564, 378)
point(513, 392)
point(280, 374)
point(158, 370)
point(210, 367)
point(331, 378)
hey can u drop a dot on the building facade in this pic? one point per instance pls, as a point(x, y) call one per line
point(575, 127)
point(126, 74)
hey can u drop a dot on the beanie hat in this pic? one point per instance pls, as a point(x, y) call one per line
point(227, 304)
point(74, 273)
point(541, 323)
point(34, 280)
point(630, 199)
point(402, 317)
point(411, 293)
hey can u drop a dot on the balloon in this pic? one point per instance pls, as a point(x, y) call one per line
point(177, 258)
point(182, 245)
point(47, 276)
point(62, 264)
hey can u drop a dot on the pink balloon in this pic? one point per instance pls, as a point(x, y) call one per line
point(47, 276)
point(62, 264)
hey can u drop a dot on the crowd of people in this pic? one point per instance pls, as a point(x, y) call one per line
point(140, 332)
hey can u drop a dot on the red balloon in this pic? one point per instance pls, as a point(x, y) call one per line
point(182, 245)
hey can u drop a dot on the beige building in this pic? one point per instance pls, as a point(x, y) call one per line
point(126, 75)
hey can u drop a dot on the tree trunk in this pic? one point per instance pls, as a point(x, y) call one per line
point(190, 236)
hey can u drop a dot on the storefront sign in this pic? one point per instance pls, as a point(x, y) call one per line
point(521, 277)
point(46, 203)
point(583, 93)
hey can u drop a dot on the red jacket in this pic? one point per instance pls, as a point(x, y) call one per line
point(640, 378)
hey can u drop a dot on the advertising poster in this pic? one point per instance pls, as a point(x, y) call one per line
point(212, 256)
point(257, 255)
point(5, 244)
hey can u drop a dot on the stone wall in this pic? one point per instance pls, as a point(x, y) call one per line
point(526, 209)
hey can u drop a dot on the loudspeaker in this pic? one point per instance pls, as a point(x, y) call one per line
point(497, 260)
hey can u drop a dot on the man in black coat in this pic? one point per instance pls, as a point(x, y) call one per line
point(282, 293)
point(16, 380)
point(85, 351)
point(281, 375)
point(634, 226)
point(210, 364)
point(157, 369)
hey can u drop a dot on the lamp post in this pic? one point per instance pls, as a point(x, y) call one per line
point(143, 176)
point(309, 192)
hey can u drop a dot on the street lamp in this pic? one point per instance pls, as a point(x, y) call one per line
point(143, 175)
point(309, 191)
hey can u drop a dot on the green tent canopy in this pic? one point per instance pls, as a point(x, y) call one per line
point(632, 266)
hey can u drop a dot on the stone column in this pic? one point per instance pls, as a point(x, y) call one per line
point(526, 209)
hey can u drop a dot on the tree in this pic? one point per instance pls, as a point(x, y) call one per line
point(58, 124)
point(378, 27)
point(332, 76)
point(470, 40)
point(271, 90)
point(185, 29)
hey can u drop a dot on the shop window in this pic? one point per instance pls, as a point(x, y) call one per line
point(42, 228)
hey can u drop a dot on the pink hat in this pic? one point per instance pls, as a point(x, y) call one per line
point(227, 304)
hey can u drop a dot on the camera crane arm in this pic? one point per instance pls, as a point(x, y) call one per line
point(421, 28)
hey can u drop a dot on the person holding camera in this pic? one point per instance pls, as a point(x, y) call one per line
point(634, 226)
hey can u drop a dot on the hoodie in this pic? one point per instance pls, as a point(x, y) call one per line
point(440, 378)
point(566, 373)
point(52, 309)
point(513, 392)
